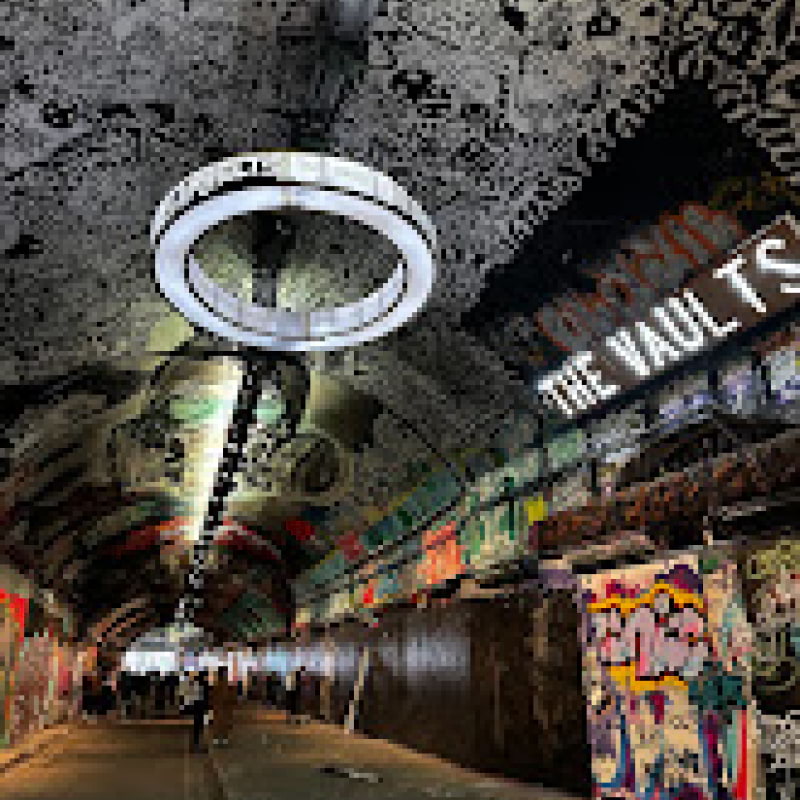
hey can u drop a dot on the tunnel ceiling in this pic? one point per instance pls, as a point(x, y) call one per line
point(496, 116)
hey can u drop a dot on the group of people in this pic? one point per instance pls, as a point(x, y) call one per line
point(209, 704)
point(146, 696)
point(282, 690)
point(209, 700)
point(127, 695)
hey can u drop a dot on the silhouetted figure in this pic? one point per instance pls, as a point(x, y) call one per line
point(195, 701)
point(107, 697)
point(140, 695)
point(172, 700)
point(223, 700)
point(273, 689)
point(88, 702)
point(292, 688)
point(124, 692)
point(152, 689)
point(160, 695)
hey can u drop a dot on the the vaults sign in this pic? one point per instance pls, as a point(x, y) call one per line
point(761, 277)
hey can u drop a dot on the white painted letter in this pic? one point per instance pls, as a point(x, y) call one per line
point(661, 352)
point(692, 338)
point(789, 269)
point(575, 389)
point(547, 387)
point(593, 378)
point(704, 315)
point(623, 344)
point(740, 284)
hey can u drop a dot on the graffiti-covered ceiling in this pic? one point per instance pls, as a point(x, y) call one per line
point(537, 135)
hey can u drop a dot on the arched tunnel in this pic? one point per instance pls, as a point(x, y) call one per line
point(399, 400)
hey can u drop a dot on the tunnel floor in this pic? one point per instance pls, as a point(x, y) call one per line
point(266, 760)
point(107, 761)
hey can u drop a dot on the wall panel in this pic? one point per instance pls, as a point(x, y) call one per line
point(492, 685)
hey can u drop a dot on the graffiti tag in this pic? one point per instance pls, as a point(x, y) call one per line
point(656, 639)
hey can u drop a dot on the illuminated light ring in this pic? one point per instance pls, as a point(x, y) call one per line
point(281, 181)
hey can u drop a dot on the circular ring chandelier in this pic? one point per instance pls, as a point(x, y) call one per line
point(283, 181)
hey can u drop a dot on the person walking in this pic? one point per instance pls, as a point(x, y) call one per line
point(173, 697)
point(140, 695)
point(223, 701)
point(87, 695)
point(195, 701)
point(273, 689)
point(292, 691)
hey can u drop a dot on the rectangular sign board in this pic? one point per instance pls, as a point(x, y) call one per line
point(760, 278)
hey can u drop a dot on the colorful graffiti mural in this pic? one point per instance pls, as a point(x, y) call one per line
point(35, 689)
point(774, 576)
point(772, 590)
point(13, 609)
point(46, 685)
point(442, 555)
point(666, 650)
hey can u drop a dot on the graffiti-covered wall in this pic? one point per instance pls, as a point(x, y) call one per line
point(46, 685)
point(39, 662)
point(13, 609)
point(771, 576)
point(666, 653)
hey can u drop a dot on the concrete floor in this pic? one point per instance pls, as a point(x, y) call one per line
point(266, 760)
point(106, 761)
point(270, 760)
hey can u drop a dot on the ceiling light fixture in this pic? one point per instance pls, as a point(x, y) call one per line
point(281, 181)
